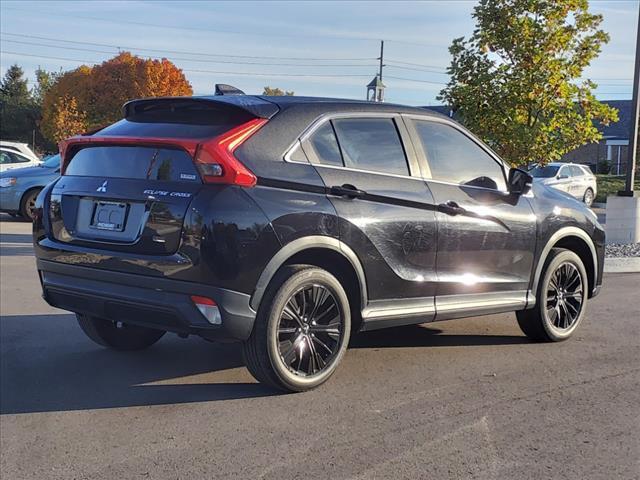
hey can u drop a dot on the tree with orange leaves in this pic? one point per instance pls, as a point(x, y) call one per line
point(98, 92)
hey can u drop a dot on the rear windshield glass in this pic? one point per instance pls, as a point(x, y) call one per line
point(146, 163)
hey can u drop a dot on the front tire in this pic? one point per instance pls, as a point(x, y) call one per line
point(560, 301)
point(117, 335)
point(302, 330)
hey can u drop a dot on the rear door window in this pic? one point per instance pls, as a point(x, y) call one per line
point(576, 171)
point(144, 163)
point(371, 144)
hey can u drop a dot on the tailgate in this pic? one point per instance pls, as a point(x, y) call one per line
point(124, 198)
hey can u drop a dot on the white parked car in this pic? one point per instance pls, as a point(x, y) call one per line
point(574, 179)
point(19, 147)
point(16, 155)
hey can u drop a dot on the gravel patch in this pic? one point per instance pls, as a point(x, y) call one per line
point(622, 250)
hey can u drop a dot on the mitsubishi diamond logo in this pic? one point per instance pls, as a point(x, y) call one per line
point(102, 188)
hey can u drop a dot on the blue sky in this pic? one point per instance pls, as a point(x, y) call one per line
point(231, 42)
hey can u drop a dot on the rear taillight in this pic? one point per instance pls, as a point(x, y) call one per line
point(215, 159)
point(208, 308)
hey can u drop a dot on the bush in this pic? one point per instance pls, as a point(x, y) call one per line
point(604, 167)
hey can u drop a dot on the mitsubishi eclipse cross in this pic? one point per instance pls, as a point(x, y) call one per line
point(291, 223)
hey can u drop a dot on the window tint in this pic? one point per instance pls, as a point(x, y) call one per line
point(17, 158)
point(547, 171)
point(576, 171)
point(10, 157)
point(134, 162)
point(371, 144)
point(325, 145)
point(454, 157)
point(564, 172)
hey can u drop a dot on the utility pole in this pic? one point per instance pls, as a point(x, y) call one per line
point(381, 58)
point(633, 131)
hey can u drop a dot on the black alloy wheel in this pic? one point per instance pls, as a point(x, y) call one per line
point(309, 330)
point(301, 331)
point(565, 296)
point(561, 299)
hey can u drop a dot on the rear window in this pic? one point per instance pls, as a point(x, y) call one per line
point(145, 163)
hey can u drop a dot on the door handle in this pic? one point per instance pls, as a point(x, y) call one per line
point(347, 190)
point(451, 208)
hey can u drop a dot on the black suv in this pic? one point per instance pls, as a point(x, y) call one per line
point(289, 223)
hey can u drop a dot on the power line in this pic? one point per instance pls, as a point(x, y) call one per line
point(392, 65)
point(196, 60)
point(182, 52)
point(262, 74)
point(416, 80)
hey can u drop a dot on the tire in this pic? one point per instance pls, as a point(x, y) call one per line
point(558, 311)
point(303, 307)
point(27, 203)
point(588, 197)
point(117, 335)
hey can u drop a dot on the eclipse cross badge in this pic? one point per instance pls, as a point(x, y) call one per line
point(102, 188)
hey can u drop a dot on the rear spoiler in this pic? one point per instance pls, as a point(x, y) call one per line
point(247, 104)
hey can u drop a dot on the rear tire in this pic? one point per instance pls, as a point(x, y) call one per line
point(301, 331)
point(560, 301)
point(588, 197)
point(116, 335)
point(27, 204)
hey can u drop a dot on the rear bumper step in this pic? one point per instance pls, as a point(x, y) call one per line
point(147, 301)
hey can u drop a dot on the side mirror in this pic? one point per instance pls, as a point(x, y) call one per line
point(562, 177)
point(519, 181)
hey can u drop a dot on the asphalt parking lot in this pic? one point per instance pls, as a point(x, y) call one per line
point(459, 399)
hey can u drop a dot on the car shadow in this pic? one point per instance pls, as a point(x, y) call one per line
point(49, 365)
point(426, 335)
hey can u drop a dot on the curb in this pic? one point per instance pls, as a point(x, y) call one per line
point(622, 265)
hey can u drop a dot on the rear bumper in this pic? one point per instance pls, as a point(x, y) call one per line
point(147, 301)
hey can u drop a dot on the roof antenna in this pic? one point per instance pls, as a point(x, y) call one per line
point(224, 89)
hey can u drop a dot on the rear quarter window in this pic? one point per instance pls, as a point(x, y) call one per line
point(144, 163)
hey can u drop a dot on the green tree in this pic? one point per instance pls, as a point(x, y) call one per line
point(18, 112)
point(276, 92)
point(517, 80)
point(44, 81)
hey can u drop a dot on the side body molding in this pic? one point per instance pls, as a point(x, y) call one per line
point(299, 245)
point(560, 234)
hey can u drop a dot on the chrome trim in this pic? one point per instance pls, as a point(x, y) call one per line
point(469, 305)
point(402, 306)
point(299, 245)
point(358, 170)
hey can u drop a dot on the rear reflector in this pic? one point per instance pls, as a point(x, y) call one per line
point(208, 308)
point(215, 159)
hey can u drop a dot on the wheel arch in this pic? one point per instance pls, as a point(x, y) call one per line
point(579, 242)
point(325, 252)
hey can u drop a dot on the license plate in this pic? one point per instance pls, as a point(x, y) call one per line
point(109, 216)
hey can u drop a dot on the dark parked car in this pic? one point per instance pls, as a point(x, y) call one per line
point(290, 223)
